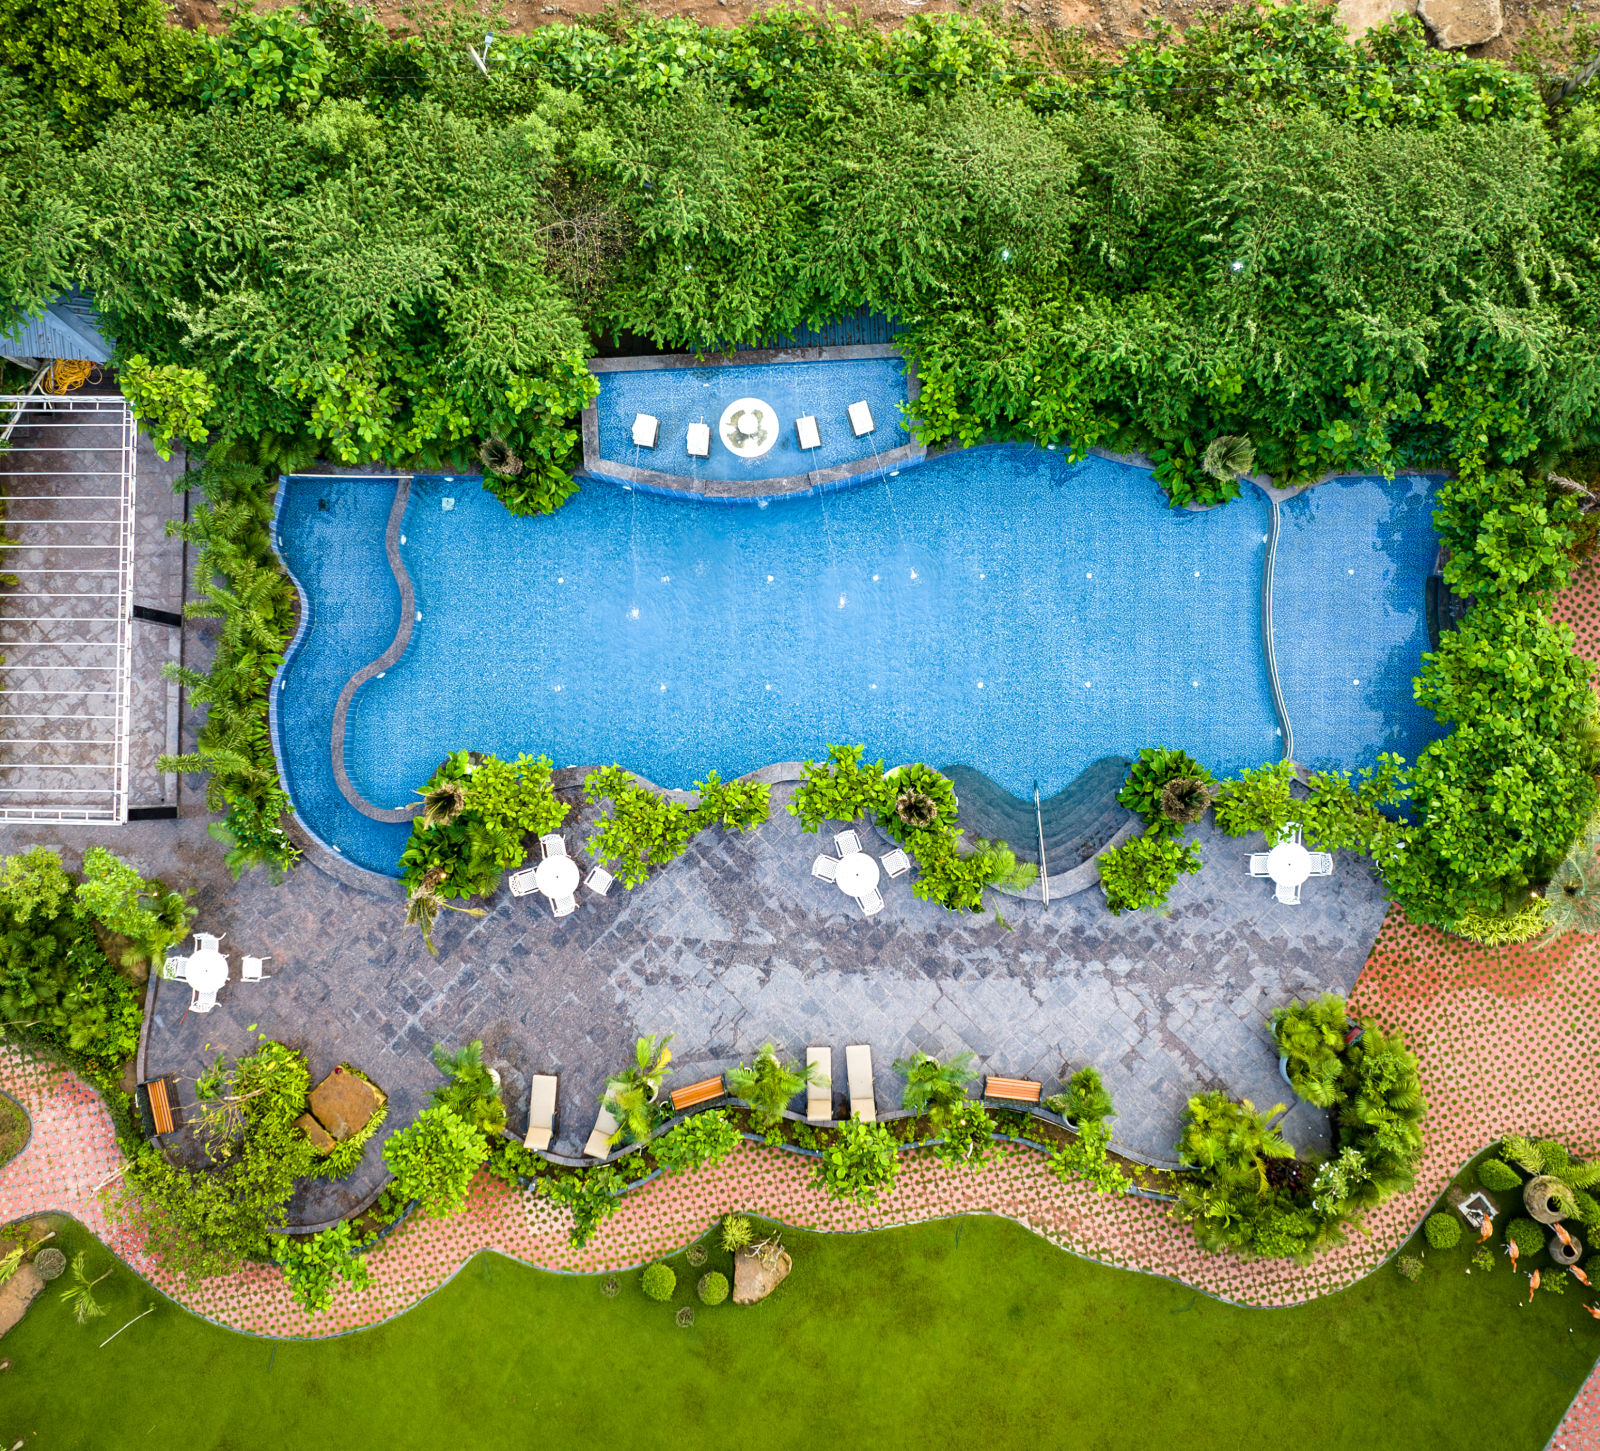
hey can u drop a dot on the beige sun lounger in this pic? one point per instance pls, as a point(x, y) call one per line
point(819, 1092)
point(599, 1145)
point(858, 1066)
point(541, 1111)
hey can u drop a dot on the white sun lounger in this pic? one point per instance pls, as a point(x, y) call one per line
point(858, 1066)
point(645, 430)
point(896, 863)
point(848, 843)
point(250, 968)
point(819, 1092)
point(599, 1145)
point(599, 881)
point(1258, 864)
point(861, 418)
point(871, 902)
point(1288, 893)
point(699, 440)
point(525, 882)
point(826, 867)
point(541, 1111)
point(806, 430)
point(553, 845)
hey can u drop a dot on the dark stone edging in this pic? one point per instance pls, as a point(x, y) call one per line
point(837, 476)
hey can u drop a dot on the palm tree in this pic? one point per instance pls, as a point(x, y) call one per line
point(441, 804)
point(1229, 457)
point(80, 1294)
point(932, 1085)
point(425, 904)
point(1572, 898)
point(769, 1083)
point(917, 809)
point(631, 1095)
point(1184, 799)
point(472, 1091)
point(498, 458)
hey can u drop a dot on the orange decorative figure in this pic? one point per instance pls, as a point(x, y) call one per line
point(1593, 1311)
point(1513, 1251)
point(1487, 1228)
point(1562, 1235)
point(1579, 1275)
point(1533, 1283)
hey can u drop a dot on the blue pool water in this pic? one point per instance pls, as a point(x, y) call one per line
point(681, 396)
point(1000, 608)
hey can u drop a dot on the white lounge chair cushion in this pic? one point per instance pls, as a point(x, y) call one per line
point(819, 1092)
point(861, 418)
point(858, 1066)
point(541, 1111)
point(645, 430)
point(699, 440)
point(806, 428)
point(826, 867)
point(599, 1145)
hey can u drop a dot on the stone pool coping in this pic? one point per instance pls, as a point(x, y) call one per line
point(811, 481)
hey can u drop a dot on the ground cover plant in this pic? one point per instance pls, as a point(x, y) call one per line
point(913, 1299)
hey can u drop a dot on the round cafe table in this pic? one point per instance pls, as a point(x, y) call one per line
point(557, 877)
point(858, 874)
point(207, 970)
point(1289, 863)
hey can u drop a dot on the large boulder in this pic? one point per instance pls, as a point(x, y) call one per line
point(755, 1277)
point(1360, 16)
point(20, 1291)
point(343, 1103)
point(1456, 23)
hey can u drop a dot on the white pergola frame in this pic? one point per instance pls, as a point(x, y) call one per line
point(91, 542)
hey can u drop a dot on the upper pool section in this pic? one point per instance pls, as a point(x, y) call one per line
point(679, 392)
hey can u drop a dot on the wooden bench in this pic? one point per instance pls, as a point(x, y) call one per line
point(160, 1105)
point(1014, 1090)
point(701, 1092)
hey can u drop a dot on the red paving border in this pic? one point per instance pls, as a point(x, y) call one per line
point(1507, 1039)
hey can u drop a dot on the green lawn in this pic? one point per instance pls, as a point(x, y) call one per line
point(969, 1332)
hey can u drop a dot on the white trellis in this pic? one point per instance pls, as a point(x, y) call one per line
point(66, 636)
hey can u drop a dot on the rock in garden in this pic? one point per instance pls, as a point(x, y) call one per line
point(343, 1102)
point(1456, 23)
point(1360, 16)
point(20, 1291)
point(314, 1131)
point(754, 1278)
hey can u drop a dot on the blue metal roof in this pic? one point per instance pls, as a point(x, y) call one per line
point(69, 327)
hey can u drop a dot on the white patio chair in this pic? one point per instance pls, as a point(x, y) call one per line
point(806, 430)
point(645, 430)
point(896, 863)
point(848, 843)
point(553, 845)
point(525, 882)
point(1321, 864)
point(205, 942)
point(871, 903)
point(861, 418)
point(599, 881)
point(826, 867)
point(699, 440)
point(1288, 894)
point(250, 968)
point(1291, 832)
point(858, 1067)
point(563, 906)
point(1258, 864)
point(174, 969)
point(202, 1002)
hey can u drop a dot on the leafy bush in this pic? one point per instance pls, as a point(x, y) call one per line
point(170, 401)
point(1145, 790)
point(966, 1134)
point(1523, 925)
point(1139, 873)
point(1085, 1099)
point(1443, 1231)
point(433, 1160)
point(932, 1085)
point(311, 1265)
point(659, 1281)
point(1569, 1180)
point(1258, 800)
point(841, 789)
point(707, 1138)
point(1498, 1177)
point(860, 1164)
point(1311, 1036)
point(768, 1084)
point(645, 830)
point(1410, 1267)
point(591, 1194)
point(1086, 1158)
point(713, 1288)
point(1346, 813)
point(1527, 1235)
point(115, 895)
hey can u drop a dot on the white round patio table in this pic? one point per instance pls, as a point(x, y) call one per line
point(1289, 863)
point(557, 877)
point(858, 874)
point(207, 970)
point(748, 427)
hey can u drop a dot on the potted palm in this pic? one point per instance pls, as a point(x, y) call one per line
point(633, 1096)
point(1311, 1039)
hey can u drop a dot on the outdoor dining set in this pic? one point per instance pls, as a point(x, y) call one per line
point(1289, 864)
point(855, 872)
point(557, 876)
point(206, 971)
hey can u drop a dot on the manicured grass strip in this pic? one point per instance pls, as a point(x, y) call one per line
point(963, 1333)
point(13, 1129)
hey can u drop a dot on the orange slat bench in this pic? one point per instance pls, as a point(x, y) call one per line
point(702, 1092)
point(1016, 1090)
point(160, 1105)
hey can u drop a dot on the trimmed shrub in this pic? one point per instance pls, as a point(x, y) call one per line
point(1410, 1267)
point(713, 1288)
point(1443, 1231)
point(736, 1233)
point(659, 1281)
point(1526, 1235)
point(1498, 1176)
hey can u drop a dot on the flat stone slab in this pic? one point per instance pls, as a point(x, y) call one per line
point(1457, 23)
point(314, 1131)
point(343, 1103)
point(19, 1292)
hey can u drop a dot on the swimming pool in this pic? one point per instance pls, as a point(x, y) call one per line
point(999, 608)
